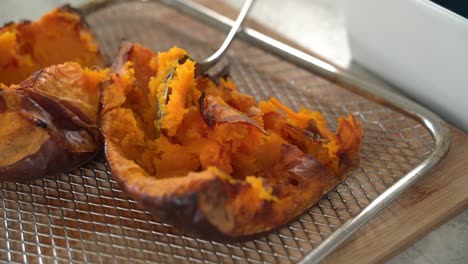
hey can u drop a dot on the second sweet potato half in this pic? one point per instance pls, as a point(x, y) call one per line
point(210, 160)
point(49, 122)
point(49, 99)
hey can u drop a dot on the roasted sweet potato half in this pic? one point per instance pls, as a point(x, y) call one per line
point(49, 122)
point(211, 160)
point(59, 36)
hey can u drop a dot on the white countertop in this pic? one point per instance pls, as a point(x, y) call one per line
point(319, 26)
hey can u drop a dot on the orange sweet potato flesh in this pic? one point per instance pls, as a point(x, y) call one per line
point(211, 160)
point(59, 36)
point(49, 122)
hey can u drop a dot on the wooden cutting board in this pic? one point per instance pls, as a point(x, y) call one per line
point(435, 199)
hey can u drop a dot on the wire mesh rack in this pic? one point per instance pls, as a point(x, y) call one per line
point(83, 216)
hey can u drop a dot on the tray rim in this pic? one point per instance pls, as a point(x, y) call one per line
point(375, 92)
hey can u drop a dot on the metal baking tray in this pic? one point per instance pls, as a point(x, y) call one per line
point(83, 217)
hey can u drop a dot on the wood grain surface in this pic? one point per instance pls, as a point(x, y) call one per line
point(435, 199)
point(432, 201)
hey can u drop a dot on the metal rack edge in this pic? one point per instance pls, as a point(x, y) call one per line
point(374, 92)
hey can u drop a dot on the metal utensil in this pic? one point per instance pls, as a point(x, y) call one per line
point(209, 62)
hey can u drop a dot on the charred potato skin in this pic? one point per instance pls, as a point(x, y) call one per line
point(53, 156)
point(72, 137)
point(185, 210)
point(185, 213)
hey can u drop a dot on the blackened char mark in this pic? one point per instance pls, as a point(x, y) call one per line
point(209, 118)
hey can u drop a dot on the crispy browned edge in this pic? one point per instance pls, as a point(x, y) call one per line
point(53, 156)
point(183, 211)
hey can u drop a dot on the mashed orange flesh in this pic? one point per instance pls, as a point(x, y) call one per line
point(58, 37)
point(171, 122)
